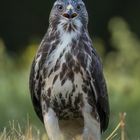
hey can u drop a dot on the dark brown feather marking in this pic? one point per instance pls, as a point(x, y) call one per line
point(49, 92)
point(63, 72)
point(57, 65)
point(70, 75)
point(55, 78)
point(51, 71)
point(63, 81)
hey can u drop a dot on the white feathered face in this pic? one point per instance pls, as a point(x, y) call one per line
point(71, 15)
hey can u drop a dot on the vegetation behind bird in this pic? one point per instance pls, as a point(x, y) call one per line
point(122, 71)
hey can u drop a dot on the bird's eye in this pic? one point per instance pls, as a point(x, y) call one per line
point(78, 7)
point(60, 7)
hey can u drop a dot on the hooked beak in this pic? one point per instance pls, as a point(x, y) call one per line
point(70, 14)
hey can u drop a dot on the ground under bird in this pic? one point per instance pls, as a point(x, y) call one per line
point(67, 84)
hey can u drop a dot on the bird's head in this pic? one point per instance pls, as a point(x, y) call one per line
point(69, 15)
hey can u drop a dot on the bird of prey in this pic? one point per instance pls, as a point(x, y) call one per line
point(67, 84)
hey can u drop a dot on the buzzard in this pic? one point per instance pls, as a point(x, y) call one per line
point(67, 84)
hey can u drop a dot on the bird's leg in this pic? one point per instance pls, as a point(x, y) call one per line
point(91, 126)
point(51, 123)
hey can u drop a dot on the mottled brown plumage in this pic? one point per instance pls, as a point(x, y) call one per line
point(66, 80)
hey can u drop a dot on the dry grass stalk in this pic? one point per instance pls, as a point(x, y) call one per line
point(16, 133)
point(121, 126)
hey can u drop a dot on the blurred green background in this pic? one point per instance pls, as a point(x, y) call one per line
point(114, 27)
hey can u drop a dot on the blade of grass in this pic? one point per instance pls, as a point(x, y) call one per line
point(114, 131)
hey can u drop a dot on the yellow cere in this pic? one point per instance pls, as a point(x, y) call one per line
point(69, 7)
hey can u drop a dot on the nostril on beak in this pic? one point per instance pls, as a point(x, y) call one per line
point(73, 15)
point(66, 15)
